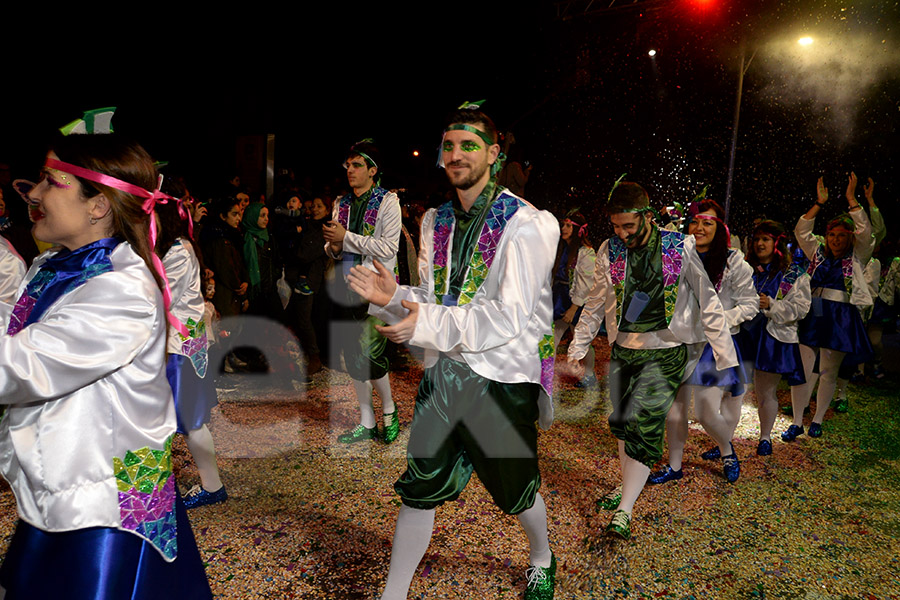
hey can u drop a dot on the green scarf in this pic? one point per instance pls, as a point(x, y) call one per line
point(255, 237)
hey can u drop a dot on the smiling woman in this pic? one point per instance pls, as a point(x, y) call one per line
point(83, 352)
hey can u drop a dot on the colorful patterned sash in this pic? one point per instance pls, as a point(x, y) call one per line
point(499, 214)
point(371, 215)
point(672, 256)
point(846, 267)
point(790, 278)
point(58, 276)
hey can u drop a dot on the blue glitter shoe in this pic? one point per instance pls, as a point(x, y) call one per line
point(792, 432)
point(541, 581)
point(712, 454)
point(667, 474)
point(589, 381)
point(731, 466)
point(815, 430)
point(620, 525)
point(764, 448)
point(197, 496)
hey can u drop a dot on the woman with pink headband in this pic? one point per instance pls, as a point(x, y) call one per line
point(772, 342)
point(833, 328)
point(573, 276)
point(86, 439)
point(717, 394)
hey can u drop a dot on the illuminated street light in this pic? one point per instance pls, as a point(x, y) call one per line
point(805, 41)
point(652, 53)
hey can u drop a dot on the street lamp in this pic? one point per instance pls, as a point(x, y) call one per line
point(805, 41)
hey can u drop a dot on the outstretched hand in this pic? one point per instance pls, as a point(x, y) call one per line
point(851, 188)
point(821, 191)
point(869, 190)
point(377, 288)
point(402, 331)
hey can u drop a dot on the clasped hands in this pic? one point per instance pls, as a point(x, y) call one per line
point(378, 288)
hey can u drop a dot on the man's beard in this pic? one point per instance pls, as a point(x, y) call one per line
point(474, 176)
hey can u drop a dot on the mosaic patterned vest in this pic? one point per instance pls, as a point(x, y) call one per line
point(672, 257)
point(499, 214)
point(846, 267)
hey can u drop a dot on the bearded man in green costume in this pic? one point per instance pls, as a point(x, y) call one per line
point(651, 288)
point(483, 313)
point(365, 227)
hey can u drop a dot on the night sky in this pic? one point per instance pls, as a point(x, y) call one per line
point(581, 95)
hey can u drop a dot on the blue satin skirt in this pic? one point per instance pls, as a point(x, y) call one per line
point(101, 563)
point(770, 355)
point(733, 380)
point(194, 397)
point(840, 327)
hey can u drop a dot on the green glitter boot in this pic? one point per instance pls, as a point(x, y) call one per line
point(541, 581)
point(391, 427)
point(611, 500)
point(358, 434)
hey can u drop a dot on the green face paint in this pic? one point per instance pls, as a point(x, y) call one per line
point(448, 146)
point(470, 146)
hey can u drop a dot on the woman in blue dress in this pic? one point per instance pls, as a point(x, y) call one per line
point(772, 342)
point(833, 328)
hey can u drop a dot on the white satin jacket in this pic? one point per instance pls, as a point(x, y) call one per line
point(692, 321)
point(498, 333)
point(86, 385)
point(785, 315)
point(737, 292)
point(12, 270)
point(382, 244)
point(188, 306)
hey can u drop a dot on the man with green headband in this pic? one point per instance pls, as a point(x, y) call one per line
point(651, 288)
point(365, 227)
point(483, 313)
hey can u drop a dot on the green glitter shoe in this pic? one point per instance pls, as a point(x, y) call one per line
point(391, 427)
point(358, 434)
point(841, 405)
point(611, 500)
point(541, 581)
point(620, 525)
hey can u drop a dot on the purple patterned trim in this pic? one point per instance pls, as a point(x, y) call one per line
point(617, 266)
point(196, 347)
point(443, 229)
point(672, 257)
point(790, 278)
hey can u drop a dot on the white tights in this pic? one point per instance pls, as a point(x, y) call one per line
point(829, 363)
point(364, 397)
point(413, 534)
point(717, 410)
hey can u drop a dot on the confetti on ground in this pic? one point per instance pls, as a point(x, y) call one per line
point(306, 518)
